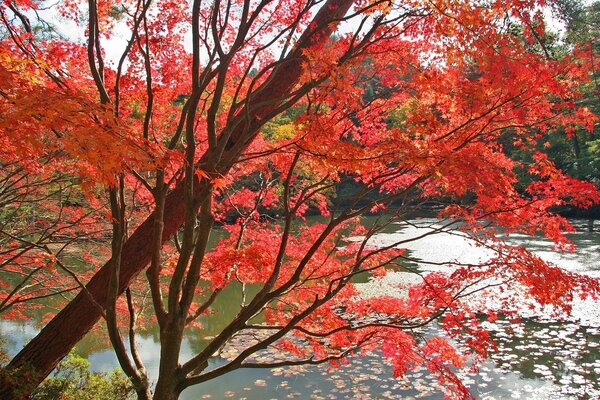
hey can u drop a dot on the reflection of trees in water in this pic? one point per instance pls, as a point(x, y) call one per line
point(566, 354)
point(221, 312)
point(569, 358)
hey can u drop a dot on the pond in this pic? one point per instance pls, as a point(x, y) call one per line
point(540, 359)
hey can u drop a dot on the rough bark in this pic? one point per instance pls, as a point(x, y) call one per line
point(59, 336)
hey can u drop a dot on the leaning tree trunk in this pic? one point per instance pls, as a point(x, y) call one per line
point(58, 337)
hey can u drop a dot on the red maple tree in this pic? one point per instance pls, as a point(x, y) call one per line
point(233, 111)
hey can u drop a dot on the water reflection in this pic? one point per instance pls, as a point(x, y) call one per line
point(537, 360)
point(540, 359)
point(565, 354)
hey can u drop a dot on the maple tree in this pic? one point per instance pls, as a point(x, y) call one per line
point(574, 149)
point(228, 112)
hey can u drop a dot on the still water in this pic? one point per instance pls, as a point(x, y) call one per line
point(540, 359)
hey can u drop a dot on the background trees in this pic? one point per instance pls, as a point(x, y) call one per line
point(575, 149)
point(213, 113)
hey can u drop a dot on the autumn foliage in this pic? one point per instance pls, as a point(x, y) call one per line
point(195, 147)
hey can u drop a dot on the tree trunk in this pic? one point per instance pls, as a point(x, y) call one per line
point(144, 394)
point(166, 392)
point(57, 338)
point(167, 385)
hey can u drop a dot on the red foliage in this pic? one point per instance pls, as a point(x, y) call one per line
point(255, 128)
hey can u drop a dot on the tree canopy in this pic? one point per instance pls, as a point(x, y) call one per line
point(151, 124)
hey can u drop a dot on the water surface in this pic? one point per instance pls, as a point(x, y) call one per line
point(539, 359)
